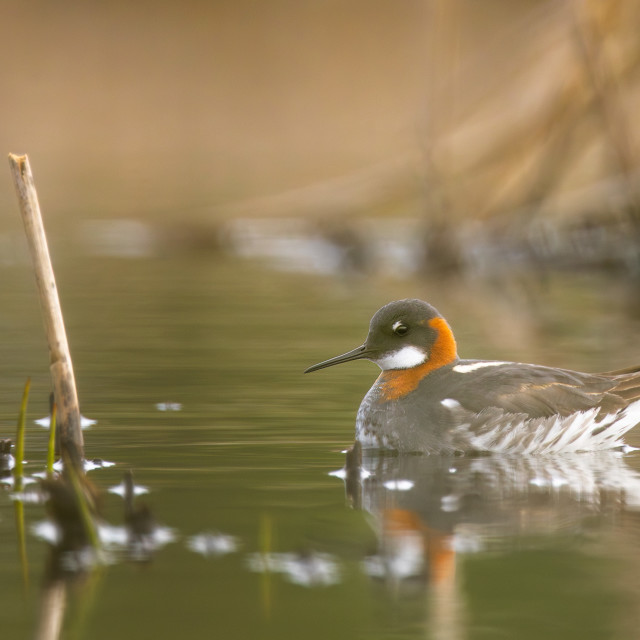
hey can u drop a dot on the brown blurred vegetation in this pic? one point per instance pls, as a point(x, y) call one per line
point(202, 111)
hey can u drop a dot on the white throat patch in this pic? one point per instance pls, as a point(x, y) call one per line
point(405, 358)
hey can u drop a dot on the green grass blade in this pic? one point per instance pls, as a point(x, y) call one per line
point(17, 470)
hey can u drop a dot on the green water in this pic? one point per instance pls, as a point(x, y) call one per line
point(470, 550)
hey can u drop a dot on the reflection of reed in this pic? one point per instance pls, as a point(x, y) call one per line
point(52, 605)
point(73, 546)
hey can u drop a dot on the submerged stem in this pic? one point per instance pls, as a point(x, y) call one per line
point(51, 451)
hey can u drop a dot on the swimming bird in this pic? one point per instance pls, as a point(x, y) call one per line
point(428, 400)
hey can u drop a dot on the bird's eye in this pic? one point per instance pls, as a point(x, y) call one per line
point(400, 329)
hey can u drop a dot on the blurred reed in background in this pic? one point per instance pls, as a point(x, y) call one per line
point(478, 131)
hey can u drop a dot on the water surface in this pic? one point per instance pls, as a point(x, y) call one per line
point(260, 540)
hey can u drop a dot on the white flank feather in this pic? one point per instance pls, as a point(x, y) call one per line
point(499, 431)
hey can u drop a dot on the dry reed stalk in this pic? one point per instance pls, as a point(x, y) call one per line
point(64, 385)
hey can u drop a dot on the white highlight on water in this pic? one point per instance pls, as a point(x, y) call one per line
point(399, 485)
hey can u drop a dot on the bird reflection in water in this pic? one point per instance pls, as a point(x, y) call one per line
point(428, 512)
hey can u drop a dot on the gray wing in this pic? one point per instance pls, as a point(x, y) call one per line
point(527, 408)
point(539, 392)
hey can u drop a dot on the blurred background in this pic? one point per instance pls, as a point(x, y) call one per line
point(491, 125)
point(230, 189)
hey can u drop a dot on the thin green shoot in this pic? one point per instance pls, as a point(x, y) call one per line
point(18, 469)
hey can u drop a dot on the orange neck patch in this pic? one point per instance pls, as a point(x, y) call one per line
point(397, 383)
